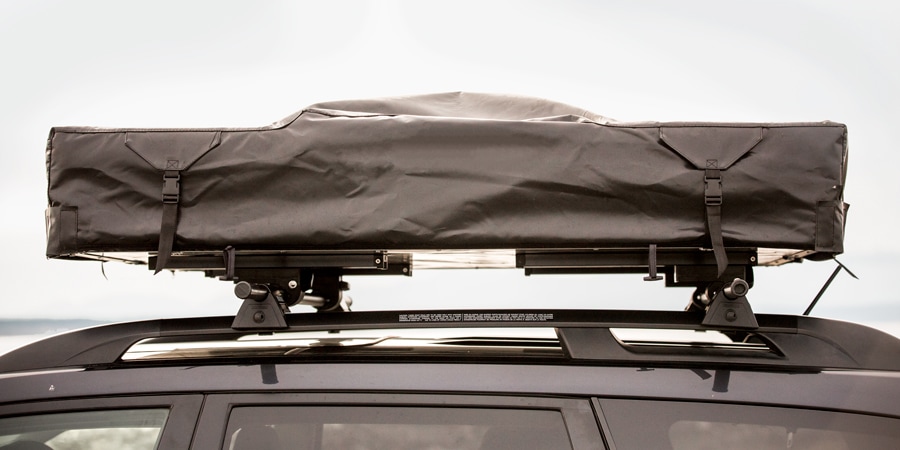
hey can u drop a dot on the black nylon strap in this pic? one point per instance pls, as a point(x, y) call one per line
point(651, 262)
point(166, 235)
point(171, 194)
point(714, 226)
point(713, 198)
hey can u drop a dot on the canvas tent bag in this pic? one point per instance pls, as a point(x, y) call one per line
point(446, 171)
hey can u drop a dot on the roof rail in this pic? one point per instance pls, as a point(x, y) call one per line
point(792, 342)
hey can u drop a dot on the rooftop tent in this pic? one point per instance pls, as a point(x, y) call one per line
point(448, 172)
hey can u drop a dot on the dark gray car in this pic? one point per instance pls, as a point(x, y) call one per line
point(456, 379)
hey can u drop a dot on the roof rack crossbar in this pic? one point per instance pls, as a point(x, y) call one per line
point(627, 258)
point(349, 261)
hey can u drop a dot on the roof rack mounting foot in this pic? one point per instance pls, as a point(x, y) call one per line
point(266, 302)
point(261, 310)
point(729, 307)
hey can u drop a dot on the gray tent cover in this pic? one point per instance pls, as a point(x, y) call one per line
point(447, 171)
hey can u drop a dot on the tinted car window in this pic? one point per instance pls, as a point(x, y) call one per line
point(393, 428)
point(636, 424)
point(137, 429)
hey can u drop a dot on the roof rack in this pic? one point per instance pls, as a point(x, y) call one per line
point(271, 282)
point(792, 342)
point(681, 265)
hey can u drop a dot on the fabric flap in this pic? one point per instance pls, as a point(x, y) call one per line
point(699, 144)
point(171, 150)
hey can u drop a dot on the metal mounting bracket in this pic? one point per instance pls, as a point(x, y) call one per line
point(730, 308)
point(261, 309)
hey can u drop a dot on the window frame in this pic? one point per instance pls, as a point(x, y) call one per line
point(577, 413)
point(177, 430)
point(607, 406)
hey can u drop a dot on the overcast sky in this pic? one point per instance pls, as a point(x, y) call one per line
point(234, 64)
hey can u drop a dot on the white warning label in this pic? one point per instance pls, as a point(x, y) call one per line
point(477, 317)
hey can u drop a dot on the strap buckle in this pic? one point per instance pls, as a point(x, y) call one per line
point(712, 182)
point(171, 187)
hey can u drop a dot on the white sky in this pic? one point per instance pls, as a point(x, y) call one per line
point(228, 63)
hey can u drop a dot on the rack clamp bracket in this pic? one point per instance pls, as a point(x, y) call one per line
point(261, 309)
point(730, 307)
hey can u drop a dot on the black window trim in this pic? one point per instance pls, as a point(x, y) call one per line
point(176, 434)
point(604, 424)
point(602, 403)
point(578, 413)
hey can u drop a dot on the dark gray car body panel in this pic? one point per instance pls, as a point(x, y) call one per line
point(858, 391)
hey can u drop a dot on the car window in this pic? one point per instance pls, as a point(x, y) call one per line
point(638, 424)
point(135, 429)
point(394, 428)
